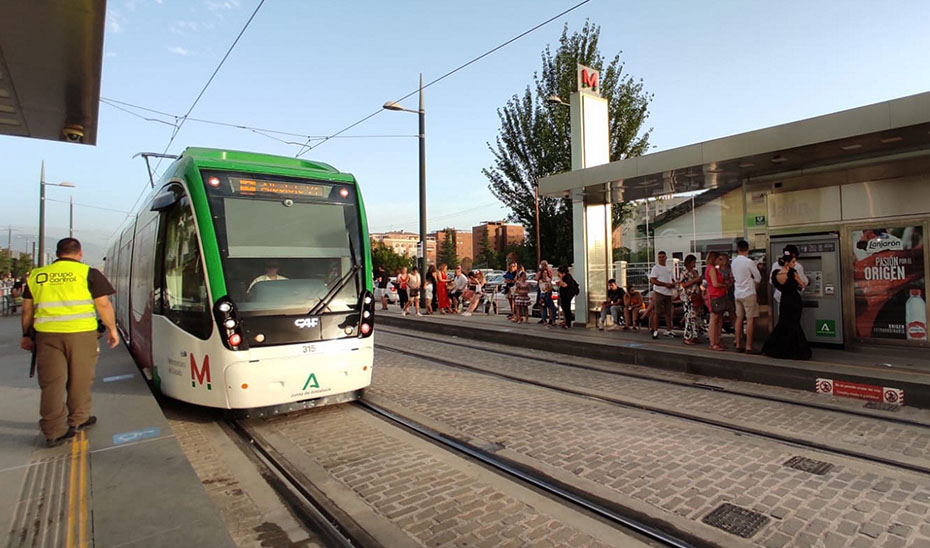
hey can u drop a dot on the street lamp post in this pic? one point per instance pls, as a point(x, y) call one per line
point(42, 185)
point(393, 105)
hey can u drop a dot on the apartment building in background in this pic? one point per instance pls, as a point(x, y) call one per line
point(461, 238)
point(404, 243)
point(500, 235)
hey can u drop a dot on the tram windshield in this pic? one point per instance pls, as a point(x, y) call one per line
point(283, 256)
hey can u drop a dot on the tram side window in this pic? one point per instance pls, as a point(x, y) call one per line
point(184, 287)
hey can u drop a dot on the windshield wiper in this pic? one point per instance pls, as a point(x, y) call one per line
point(331, 294)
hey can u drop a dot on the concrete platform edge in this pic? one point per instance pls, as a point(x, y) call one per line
point(802, 376)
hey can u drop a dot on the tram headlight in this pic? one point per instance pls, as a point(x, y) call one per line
point(229, 323)
point(214, 182)
point(367, 300)
point(344, 192)
point(235, 339)
point(366, 314)
point(224, 307)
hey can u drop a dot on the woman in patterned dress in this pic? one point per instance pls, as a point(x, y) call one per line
point(692, 300)
point(522, 298)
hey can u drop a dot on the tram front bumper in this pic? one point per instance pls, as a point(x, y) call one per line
point(272, 377)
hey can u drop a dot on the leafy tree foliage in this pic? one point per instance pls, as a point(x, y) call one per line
point(534, 140)
point(447, 253)
point(392, 261)
point(488, 258)
point(19, 266)
point(6, 262)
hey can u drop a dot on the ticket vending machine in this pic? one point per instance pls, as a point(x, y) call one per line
point(822, 299)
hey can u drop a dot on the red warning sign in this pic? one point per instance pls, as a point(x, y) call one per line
point(860, 391)
point(856, 390)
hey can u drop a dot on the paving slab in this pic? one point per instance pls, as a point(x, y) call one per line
point(123, 482)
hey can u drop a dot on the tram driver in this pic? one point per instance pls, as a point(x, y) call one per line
point(271, 274)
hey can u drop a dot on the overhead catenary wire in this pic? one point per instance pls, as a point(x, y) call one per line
point(307, 145)
point(210, 80)
point(90, 206)
point(264, 132)
point(180, 123)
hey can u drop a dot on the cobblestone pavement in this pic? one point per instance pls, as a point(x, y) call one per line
point(801, 396)
point(678, 469)
point(877, 437)
point(252, 513)
point(434, 497)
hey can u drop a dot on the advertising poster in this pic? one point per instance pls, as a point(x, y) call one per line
point(890, 286)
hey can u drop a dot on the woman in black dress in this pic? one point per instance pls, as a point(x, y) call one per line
point(787, 341)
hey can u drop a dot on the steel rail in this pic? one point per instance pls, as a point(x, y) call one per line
point(640, 376)
point(677, 414)
point(292, 490)
point(536, 480)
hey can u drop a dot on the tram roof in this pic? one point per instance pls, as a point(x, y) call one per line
point(251, 160)
point(51, 54)
point(872, 132)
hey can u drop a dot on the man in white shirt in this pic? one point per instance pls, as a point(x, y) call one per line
point(663, 284)
point(459, 283)
point(790, 249)
point(270, 275)
point(745, 275)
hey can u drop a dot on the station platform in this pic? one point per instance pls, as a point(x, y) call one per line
point(884, 375)
point(123, 482)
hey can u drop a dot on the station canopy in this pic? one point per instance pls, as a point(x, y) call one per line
point(880, 131)
point(51, 53)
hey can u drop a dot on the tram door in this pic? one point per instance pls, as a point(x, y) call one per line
point(822, 299)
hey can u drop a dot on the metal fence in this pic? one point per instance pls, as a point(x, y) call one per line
point(637, 274)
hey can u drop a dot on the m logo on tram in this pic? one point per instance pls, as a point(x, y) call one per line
point(198, 374)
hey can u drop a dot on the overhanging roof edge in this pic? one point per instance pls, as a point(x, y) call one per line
point(883, 116)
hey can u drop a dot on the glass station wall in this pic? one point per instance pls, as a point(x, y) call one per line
point(880, 212)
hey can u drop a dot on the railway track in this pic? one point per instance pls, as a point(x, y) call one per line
point(602, 509)
point(873, 457)
point(304, 499)
point(320, 514)
point(461, 343)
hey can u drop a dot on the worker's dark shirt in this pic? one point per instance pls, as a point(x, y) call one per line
point(97, 283)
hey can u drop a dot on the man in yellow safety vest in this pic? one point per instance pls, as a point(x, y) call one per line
point(61, 302)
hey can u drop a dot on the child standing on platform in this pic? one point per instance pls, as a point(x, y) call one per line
point(522, 298)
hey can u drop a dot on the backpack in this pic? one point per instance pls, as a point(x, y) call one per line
point(574, 287)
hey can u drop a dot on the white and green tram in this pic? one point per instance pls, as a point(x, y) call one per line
point(244, 282)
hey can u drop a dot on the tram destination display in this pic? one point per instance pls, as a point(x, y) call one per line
point(890, 283)
point(254, 187)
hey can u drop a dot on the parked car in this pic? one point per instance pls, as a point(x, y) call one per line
point(392, 296)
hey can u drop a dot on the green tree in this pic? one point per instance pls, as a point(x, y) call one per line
point(488, 258)
point(392, 261)
point(447, 252)
point(534, 139)
point(23, 264)
point(6, 261)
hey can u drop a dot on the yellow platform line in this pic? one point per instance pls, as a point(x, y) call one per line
point(72, 491)
point(77, 494)
point(82, 504)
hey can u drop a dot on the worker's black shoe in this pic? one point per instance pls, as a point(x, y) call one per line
point(86, 424)
point(61, 439)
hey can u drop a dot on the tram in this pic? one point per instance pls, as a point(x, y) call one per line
point(243, 282)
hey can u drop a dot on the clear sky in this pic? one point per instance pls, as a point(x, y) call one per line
point(715, 69)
